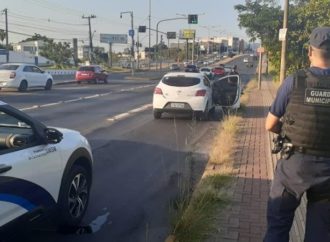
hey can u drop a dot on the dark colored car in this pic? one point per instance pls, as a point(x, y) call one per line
point(218, 71)
point(191, 68)
point(91, 73)
point(174, 67)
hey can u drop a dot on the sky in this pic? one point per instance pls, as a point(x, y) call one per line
point(62, 19)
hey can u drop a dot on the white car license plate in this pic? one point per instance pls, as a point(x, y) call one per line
point(177, 105)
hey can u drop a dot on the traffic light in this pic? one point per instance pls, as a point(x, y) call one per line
point(192, 19)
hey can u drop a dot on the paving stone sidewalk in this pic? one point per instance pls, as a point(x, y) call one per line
point(245, 219)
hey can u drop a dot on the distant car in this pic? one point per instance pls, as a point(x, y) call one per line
point(182, 92)
point(207, 71)
point(191, 68)
point(24, 76)
point(174, 67)
point(246, 60)
point(231, 54)
point(45, 172)
point(91, 73)
point(218, 71)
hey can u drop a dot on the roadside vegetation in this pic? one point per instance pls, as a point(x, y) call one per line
point(262, 20)
point(194, 214)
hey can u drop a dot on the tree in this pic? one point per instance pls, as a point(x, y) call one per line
point(2, 35)
point(263, 19)
point(60, 53)
point(37, 37)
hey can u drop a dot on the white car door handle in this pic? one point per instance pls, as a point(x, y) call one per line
point(4, 168)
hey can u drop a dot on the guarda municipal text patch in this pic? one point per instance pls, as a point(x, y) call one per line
point(317, 96)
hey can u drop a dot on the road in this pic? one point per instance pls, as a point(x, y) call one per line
point(141, 164)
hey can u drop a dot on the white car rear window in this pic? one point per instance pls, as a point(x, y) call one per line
point(8, 67)
point(181, 81)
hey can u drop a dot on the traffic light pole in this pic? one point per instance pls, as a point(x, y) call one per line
point(163, 20)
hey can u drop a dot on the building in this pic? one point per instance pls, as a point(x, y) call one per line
point(29, 47)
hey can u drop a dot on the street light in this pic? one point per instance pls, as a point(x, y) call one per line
point(160, 21)
point(131, 33)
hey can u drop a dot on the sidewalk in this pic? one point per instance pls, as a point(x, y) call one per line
point(245, 219)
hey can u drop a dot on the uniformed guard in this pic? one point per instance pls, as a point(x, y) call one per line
point(300, 114)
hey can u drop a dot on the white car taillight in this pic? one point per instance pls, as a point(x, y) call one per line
point(12, 75)
point(158, 91)
point(200, 93)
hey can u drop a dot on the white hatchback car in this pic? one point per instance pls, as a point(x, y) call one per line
point(183, 92)
point(43, 172)
point(24, 76)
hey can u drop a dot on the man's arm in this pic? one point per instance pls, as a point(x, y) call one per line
point(273, 123)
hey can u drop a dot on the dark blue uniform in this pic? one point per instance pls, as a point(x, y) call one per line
point(293, 177)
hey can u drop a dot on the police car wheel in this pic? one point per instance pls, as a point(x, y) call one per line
point(74, 196)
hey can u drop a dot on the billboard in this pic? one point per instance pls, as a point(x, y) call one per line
point(113, 38)
point(171, 35)
point(187, 34)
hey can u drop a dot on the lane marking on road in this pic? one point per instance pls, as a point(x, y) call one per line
point(50, 104)
point(73, 100)
point(128, 113)
point(84, 98)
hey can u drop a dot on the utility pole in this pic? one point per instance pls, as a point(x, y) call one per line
point(284, 41)
point(149, 34)
point(7, 44)
point(91, 58)
point(131, 33)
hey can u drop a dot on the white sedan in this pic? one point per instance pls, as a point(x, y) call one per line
point(183, 92)
point(43, 171)
point(24, 76)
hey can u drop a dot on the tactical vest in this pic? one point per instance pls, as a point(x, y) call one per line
point(306, 122)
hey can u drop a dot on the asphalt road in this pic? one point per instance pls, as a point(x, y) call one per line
point(141, 164)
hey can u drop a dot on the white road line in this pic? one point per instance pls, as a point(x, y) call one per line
point(73, 100)
point(50, 104)
point(84, 98)
point(93, 96)
point(145, 107)
point(29, 108)
point(130, 112)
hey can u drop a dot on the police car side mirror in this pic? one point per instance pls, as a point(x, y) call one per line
point(53, 136)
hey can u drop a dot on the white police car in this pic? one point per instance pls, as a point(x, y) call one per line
point(43, 171)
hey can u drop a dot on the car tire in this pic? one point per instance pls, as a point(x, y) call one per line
point(23, 86)
point(49, 85)
point(74, 196)
point(157, 114)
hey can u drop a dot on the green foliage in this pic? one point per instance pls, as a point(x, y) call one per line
point(196, 213)
point(60, 53)
point(262, 20)
point(37, 37)
point(2, 35)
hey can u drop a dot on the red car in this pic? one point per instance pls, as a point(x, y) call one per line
point(218, 71)
point(92, 73)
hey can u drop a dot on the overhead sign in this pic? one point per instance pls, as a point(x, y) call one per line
point(142, 29)
point(187, 34)
point(113, 38)
point(171, 35)
point(282, 34)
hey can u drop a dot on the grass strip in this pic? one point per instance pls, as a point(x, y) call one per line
point(195, 213)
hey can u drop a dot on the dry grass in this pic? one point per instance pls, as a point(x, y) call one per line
point(196, 213)
point(224, 142)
